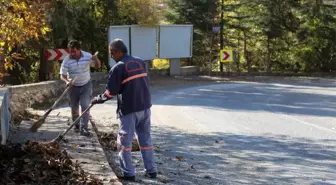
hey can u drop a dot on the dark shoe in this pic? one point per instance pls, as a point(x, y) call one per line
point(151, 175)
point(85, 132)
point(76, 129)
point(126, 178)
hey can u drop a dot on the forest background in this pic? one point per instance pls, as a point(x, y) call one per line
point(292, 36)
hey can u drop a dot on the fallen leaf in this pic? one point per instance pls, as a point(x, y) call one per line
point(179, 158)
point(26, 160)
point(114, 179)
point(165, 181)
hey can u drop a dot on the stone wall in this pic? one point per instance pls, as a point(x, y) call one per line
point(159, 72)
point(16, 99)
point(37, 95)
point(189, 70)
point(184, 71)
point(43, 95)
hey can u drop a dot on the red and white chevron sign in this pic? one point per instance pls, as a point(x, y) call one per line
point(56, 54)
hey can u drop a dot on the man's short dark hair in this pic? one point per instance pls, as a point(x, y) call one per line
point(74, 44)
point(118, 44)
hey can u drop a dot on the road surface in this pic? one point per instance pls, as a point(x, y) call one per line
point(244, 133)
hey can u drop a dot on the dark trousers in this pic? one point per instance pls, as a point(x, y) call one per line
point(80, 96)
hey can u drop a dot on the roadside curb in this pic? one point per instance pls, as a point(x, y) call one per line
point(113, 174)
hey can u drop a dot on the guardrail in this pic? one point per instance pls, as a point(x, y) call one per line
point(5, 115)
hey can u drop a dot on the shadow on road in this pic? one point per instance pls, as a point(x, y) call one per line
point(226, 158)
point(272, 98)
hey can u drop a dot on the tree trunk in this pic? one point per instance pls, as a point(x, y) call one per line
point(238, 55)
point(268, 61)
point(247, 54)
point(2, 61)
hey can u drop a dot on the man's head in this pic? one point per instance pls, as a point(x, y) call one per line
point(74, 49)
point(117, 49)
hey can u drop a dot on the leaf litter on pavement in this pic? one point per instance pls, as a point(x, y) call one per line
point(108, 140)
point(40, 163)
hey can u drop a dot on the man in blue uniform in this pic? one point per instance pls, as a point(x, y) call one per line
point(128, 81)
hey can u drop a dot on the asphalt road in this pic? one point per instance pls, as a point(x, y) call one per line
point(245, 133)
point(249, 133)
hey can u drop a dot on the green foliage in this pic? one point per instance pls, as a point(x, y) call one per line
point(26, 68)
point(272, 35)
point(143, 12)
point(267, 35)
point(203, 15)
point(87, 21)
point(21, 22)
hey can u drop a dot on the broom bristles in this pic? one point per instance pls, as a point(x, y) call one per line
point(37, 124)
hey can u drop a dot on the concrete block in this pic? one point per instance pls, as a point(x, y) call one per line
point(175, 67)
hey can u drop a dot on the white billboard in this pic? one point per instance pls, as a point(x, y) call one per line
point(171, 41)
point(143, 42)
point(175, 41)
point(121, 32)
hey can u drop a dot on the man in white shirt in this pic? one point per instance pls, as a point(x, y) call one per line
point(77, 64)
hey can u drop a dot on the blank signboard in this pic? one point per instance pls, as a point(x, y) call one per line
point(175, 41)
point(121, 32)
point(143, 42)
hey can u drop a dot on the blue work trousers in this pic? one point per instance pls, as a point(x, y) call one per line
point(140, 124)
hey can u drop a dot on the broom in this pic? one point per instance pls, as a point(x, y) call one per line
point(42, 119)
point(60, 137)
point(39, 123)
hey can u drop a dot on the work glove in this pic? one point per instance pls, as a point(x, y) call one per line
point(100, 99)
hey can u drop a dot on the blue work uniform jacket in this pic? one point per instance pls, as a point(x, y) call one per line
point(128, 79)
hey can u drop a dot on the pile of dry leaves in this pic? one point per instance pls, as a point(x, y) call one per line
point(109, 141)
point(40, 163)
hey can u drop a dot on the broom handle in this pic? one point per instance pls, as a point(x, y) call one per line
point(69, 128)
point(66, 90)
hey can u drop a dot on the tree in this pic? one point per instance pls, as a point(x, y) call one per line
point(203, 15)
point(141, 12)
point(21, 21)
point(273, 35)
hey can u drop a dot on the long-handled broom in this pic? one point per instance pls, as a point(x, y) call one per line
point(61, 136)
point(39, 123)
point(42, 119)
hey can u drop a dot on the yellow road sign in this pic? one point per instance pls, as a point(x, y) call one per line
point(226, 55)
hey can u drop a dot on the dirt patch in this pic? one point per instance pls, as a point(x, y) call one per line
point(37, 163)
